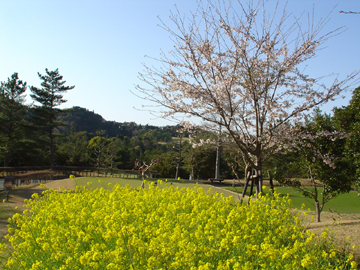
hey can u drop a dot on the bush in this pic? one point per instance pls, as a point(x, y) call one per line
point(164, 228)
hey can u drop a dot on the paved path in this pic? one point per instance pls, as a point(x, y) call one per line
point(20, 193)
point(65, 183)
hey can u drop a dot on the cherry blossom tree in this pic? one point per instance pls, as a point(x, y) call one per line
point(237, 66)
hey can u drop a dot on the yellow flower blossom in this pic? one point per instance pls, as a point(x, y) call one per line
point(162, 227)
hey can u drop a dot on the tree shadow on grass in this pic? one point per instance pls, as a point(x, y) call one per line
point(15, 204)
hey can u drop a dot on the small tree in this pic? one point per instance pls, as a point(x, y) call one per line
point(111, 154)
point(237, 66)
point(321, 148)
point(142, 167)
point(73, 148)
point(50, 97)
point(98, 147)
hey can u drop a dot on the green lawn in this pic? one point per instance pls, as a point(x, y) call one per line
point(6, 211)
point(345, 203)
point(134, 183)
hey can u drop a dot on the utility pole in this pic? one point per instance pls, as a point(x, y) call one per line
point(217, 164)
point(178, 149)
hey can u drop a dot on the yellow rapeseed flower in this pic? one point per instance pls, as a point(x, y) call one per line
point(163, 227)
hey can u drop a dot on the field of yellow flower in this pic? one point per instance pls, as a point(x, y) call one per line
point(164, 228)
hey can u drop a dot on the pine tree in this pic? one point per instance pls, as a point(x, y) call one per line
point(12, 117)
point(50, 98)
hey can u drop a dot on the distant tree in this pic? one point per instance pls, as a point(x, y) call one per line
point(207, 141)
point(238, 66)
point(50, 97)
point(321, 148)
point(200, 161)
point(12, 117)
point(112, 153)
point(234, 160)
point(167, 163)
point(73, 148)
point(98, 147)
point(125, 161)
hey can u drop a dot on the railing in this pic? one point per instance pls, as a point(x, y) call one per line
point(26, 174)
point(66, 171)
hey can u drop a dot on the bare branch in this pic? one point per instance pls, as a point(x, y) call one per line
point(348, 12)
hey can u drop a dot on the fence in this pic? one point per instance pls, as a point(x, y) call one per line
point(34, 174)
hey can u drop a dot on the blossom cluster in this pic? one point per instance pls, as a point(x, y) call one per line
point(164, 228)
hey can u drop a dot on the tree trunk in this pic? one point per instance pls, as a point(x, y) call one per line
point(271, 182)
point(318, 211)
point(256, 183)
point(258, 169)
point(179, 161)
point(245, 186)
point(260, 181)
point(52, 150)
point(177, 171)
point(251, 186)
point(217, 164)
point(192, 165)
point(5, 161)
point(317, 205)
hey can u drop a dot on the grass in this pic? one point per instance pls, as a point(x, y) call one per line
point(136, 182)
point(6, 212)
point(132, 182)
point(348, 203)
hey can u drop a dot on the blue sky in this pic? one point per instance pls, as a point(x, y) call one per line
point(99, 46)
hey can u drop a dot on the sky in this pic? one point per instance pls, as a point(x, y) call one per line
point(100, 46)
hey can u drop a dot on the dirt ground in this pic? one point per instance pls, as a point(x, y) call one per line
point(346, 227)
point(19, 194)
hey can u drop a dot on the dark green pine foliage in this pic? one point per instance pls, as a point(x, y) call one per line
point(50, 97)
point(12, 118)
